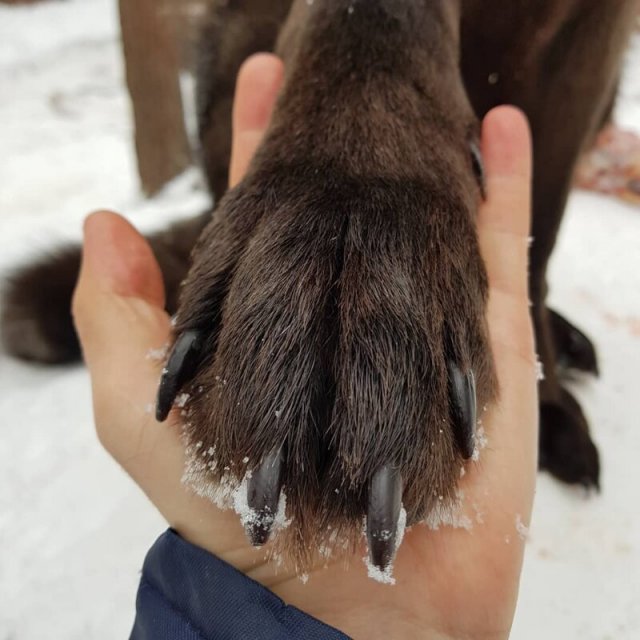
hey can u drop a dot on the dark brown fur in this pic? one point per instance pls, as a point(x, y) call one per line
point(340, 277)
point(337, 281)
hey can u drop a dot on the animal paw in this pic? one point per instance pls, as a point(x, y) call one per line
point(331, 341)
point(573, 349)
point(566, 448)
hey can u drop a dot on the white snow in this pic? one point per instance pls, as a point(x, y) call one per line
point(74, 529)
point(481, 441)
point(181, 400)
point(449, 514)
point(158, 355)
point(375, 573)
point(521, 528)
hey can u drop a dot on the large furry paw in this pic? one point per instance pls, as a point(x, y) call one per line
point(331, 347)
point(566, 448)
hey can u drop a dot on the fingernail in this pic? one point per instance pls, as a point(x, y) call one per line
point(508, 148)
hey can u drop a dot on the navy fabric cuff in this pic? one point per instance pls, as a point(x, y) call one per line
point(188, 594)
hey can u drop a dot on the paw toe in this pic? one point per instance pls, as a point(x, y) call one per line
point(263, 495)
point(181, 367)
point(566, 448)
point(462, 394)
point(383, 514)
point(574, 350)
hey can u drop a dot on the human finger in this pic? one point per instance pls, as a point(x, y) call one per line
point(259, 81)
point(505, 217)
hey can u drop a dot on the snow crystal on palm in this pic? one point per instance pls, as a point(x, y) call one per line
point(449, 515)
point(481, 442)
point(158, 355)
point(521, 528)
point(377, 574)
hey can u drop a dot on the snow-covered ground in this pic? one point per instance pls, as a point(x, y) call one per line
point(74, 529)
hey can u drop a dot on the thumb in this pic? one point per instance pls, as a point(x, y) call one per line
point(118, 305)
point(119, 316)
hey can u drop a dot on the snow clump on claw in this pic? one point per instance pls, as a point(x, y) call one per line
point(229, 492)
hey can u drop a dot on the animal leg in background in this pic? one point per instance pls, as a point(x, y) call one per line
point(561, 66)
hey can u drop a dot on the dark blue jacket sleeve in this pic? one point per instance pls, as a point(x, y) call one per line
point(186, 593)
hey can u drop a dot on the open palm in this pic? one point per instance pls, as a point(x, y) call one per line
point(454, 582)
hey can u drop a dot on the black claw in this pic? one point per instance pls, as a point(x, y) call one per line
point(478, 167)
point(385, 502)
point(574, 350)
point(462, 393)
point(263, 496)
point(180, 367)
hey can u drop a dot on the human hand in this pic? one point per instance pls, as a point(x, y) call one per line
point(451, 583)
